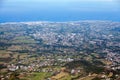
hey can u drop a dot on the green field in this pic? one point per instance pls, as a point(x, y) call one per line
point(24, 39)
point(39, 76)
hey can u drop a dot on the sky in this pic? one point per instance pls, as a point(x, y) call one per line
point(59, 10)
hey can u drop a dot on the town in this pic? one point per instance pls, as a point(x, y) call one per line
point(81, 50)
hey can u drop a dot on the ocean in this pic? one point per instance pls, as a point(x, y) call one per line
point(38, 10)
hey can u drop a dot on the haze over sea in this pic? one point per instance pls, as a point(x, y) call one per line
point(59, 10)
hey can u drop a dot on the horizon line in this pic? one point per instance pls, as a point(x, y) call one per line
point(45, 21)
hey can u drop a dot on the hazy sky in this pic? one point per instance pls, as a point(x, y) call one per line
point(47, 9)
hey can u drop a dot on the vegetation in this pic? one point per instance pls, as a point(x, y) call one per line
point(60, 51)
